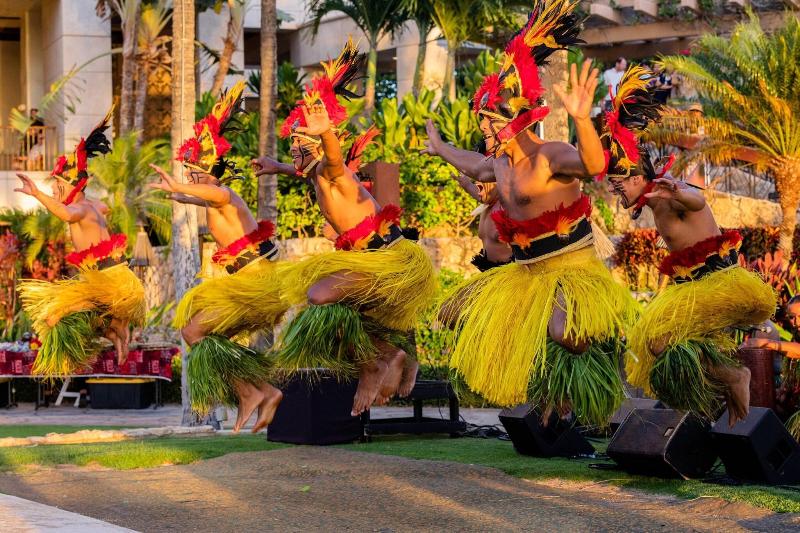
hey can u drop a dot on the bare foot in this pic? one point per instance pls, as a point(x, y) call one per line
point(112, 336)
point(409, 379)
point(267, 407)
point(369, 381)
point(737, 395)
point(250, 397)
point(119, 330)
point(391, 382)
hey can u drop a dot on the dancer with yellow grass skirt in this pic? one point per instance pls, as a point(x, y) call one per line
point(543, 328)
point(681, 348)
point(105, 298)
point(247, 299)
point(358, 300)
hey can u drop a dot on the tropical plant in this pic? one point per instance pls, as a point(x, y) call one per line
point(121, 176)
point(375, 18)
point(129, 12)
point(152, 53)
point(236, 11)
point(467, 20)
point(41, 228)
point(421, 12)
point(749, 87)
point(457, 123)
point(469, 76)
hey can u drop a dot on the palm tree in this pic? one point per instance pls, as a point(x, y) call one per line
point(236, 9)
point(128, 11)
point(461, 21)
point(421, 12)
point(749, 87)
point(153, 53)
point(185, 247)
point(121, 177)
point(268, 184)
point(376, 18)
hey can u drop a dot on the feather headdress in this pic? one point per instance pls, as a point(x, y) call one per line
point(72, 167)
point(353, 159)
point(514, 96)
point(206, 150)
point(337, 75)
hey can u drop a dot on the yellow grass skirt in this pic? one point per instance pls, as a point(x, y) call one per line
point(398, 281)
point(501, 343)
point(245, 301)
point(698, 311)
point(80, 307)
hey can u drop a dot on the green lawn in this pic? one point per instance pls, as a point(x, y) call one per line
point(501, 455)
point(25, 430)
point(488, 452)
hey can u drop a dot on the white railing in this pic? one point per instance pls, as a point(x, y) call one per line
point(36, 149)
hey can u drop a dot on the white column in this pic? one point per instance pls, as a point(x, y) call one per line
point(72, 35)
point(32, 58)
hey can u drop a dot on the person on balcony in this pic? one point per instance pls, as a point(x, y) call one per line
point(105, 298)
point(680, 348)
point(545, 327)
point(355, 304)
point(220, 369)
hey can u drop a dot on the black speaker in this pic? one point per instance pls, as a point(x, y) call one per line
point(663, 443)
point(758, 448)
point(316, 410)
point(559, 438)
point(628, 405)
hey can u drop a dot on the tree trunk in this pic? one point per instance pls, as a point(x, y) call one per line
point(228, 48)
point(268, 183)
point(130, 25)
point(787, 183)
point(422, 50)
point(556, 124)
point(141, 101)
point(372, 74)
point(185, 247)
point(449, 86)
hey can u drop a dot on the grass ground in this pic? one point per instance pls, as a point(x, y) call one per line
point(26, 430)
point(488, 452)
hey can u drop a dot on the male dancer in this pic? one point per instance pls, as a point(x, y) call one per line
point(680, 347)
point(375, 284)
point(544, 326)
point(221, 370)
point(105, 298)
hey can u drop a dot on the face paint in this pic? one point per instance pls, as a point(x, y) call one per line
point(306, 153)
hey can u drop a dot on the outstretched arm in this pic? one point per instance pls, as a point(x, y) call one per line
point(212, 194)
point(319, 123)
point(475, 165)
point(468, 185)
point(186, 199)
point(588, 159)
point(67, 213)
point(267, 165)
point(681, 196)
point(791, 349)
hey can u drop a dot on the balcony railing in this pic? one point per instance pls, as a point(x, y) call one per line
point(35, 149)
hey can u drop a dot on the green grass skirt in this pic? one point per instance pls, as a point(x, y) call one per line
point(335, 337)
point(680, 377)
point(70, 345)
point(588, 383)
point(215, 365)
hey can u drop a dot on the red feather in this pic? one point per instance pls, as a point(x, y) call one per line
point(357, 237)
point(353, 160)
point(517, 231)
point(114, 246)
point(696, 254)
point(488, 91)
point(228, 254)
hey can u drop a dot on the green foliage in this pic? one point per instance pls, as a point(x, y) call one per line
point(457, 123)
point(433, 340)
point(289, 87)
point(204, 105)
point(121, 177)
point(298, 216)
point(605, 213)
point(432, 199)
point(639, 255)
point(469, 76)
point(247, 186)
point(244, 142)
point(39, 229)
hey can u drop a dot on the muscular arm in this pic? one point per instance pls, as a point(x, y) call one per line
point(216, 196)
point(475, 165)
point(588, 160)
point(333, 167)
point(67, 213)
point(185, 199)
point(681, 196)
point(468, 186)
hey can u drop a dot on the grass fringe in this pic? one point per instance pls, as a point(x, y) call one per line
point(70, 345)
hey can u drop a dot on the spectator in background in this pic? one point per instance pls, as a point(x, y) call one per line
point(663, 90)
point(36, 119)
point(611, 79)
point(791, 348)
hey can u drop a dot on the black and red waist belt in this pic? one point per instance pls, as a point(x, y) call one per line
point(549, 246)
point(266, 250)
point(716, 253)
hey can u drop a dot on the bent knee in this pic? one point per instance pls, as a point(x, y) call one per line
point(320, 295)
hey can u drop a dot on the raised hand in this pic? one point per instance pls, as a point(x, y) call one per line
point(666, 188)
point(28, 186)
point(434, 142)
point(579, 99)
point(265, 165)
point(167, 183)
point(317, 120)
